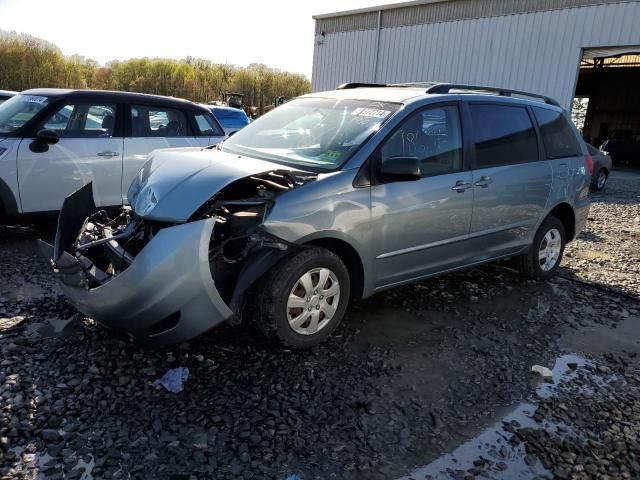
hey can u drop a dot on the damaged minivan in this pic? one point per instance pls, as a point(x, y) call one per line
point(331, 197)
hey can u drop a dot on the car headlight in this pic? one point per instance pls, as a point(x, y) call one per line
point(145, 201)
point(3, 150)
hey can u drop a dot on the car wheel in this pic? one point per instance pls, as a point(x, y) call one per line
point(600, 181)
point(303, 298)
point(545, 254)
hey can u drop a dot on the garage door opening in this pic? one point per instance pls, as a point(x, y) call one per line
point(606, 107)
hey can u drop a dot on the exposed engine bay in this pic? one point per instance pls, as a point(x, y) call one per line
point(107, 245)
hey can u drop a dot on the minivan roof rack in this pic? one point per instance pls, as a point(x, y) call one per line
point(348, 86)
point(447, 87)
point(434, 87)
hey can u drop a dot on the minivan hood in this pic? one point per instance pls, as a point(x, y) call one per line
point(174, 183)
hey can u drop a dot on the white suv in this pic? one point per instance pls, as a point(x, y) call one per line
point(52, 142)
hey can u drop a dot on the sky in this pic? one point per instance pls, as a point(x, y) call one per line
point(278, 33)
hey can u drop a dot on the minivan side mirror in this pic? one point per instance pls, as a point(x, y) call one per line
point(42, 141)
point(401, 168)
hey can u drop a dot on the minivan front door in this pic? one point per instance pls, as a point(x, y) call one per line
point(87, 152)
point(421, 227)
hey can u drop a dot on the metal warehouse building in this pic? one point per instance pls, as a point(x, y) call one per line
point(560, 48)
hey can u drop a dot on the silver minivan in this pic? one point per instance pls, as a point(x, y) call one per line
point(331, 197)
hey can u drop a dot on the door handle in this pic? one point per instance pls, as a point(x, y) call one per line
point(108, 154)
point(484, 182)
point(461, 186)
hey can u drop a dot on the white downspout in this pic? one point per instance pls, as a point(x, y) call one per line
point(375, 62)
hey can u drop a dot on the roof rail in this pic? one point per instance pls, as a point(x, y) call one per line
point(413, 84)
point(447, 87)
point(348, 86)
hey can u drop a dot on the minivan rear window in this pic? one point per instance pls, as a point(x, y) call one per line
point(504, 134)
point(558, 137)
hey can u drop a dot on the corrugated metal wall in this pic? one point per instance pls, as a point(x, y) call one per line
point(538, 52)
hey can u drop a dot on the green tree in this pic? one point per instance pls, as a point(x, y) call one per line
point(27, 62)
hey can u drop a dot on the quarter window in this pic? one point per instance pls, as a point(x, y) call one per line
point(207, 126)
point(433, 136)
point(149, 121)
point(83, 120)
point(503, 134)
point(558, 137)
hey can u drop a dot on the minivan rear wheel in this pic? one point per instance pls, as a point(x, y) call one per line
point(545, 254)
point(600, 180)
point(303, 298)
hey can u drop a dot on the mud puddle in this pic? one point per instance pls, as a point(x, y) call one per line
point(491, 453)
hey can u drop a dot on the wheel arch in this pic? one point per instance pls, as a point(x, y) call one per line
point(8, 202)
point(349, 255)
point(565, 213)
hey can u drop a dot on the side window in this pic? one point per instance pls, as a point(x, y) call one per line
point(433, 136)
point(82, 120)
point(503, 134)
point(207, 126)
point(147, 121)
point(558, 137)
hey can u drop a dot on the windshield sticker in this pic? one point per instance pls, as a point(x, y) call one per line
point(331, 155)
point(35, 99)
point(370, 112)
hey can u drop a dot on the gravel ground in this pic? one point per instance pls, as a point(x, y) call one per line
point(412, 374)
point(608, 252)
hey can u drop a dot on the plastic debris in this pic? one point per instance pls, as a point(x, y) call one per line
point(543, 371)
point(173, 380)
point(293, 477)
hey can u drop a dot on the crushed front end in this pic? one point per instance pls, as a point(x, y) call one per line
point(166, 282)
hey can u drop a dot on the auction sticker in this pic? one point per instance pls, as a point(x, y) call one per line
point(35, 99)
point(370, 112)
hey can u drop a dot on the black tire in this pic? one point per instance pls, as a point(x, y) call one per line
point(273, 290)
point(529, 264)
point(596, 184)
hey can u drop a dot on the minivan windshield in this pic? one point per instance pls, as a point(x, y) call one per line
point(318, 134)
point(18, 110)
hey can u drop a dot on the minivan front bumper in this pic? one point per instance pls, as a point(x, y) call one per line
point(166, 295)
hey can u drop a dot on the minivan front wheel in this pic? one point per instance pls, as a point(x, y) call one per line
point(303, 298)
point(545, 254)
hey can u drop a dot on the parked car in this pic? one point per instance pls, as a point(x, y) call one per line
point(52, 142)
point(6, 95)
point(602, 166)
point(231, 119)
point(623, 147)
point(382, 186)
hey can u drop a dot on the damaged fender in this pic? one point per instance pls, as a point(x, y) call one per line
point(166, 295)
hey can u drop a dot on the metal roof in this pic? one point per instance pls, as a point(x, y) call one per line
point(387, 6)
point(422, 12)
